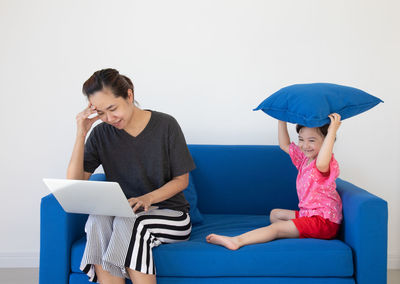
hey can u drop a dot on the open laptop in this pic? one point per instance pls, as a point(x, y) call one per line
point(91, 197)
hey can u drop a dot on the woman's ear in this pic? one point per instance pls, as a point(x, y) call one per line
point(131, 97)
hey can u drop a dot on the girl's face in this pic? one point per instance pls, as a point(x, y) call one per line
point(310, 141)
point(115, 111)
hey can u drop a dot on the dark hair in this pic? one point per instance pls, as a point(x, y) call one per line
point(108, 78)
point(322, 129)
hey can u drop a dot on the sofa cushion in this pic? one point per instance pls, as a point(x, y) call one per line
point(79, 278)
point(191, 196)
point(310, 104)
point(243, 179)
point(285, 257)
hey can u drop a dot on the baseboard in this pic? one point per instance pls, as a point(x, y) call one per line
point(10, 260)
point(393, 261)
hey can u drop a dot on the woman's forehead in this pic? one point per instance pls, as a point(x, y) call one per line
point(103, 99)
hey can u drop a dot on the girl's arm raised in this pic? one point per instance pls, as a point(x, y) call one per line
point(325, 153)
point(283, 136)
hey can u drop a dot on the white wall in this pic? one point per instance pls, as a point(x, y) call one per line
point(208, 63)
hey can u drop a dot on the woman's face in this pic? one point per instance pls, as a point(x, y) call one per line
point(116, 111)
point(310, 141)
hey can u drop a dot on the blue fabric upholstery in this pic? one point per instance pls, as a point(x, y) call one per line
point(79, 278)
point(58, 231)
point(310, 104)
point(365, 229)
point(243, 179)
point(278, 258)
point(191, 196)
point(237, 187)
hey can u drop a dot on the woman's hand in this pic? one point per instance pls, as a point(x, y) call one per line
point(335, 122)
point(144, 201)
point(168, 190)
point(83, 121)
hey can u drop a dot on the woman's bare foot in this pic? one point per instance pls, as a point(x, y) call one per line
point(228, 242)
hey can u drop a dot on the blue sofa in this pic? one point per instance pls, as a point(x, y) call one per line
point(237, 186)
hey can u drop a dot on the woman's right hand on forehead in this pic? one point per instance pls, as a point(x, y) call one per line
point(84, 123)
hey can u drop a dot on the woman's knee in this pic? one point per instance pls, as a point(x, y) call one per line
point(124, 223)
point(98, 221)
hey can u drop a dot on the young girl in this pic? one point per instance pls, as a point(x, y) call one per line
point(146, 153)
point(320, 205)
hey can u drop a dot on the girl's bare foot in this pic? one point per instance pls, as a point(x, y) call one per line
point(228, 242)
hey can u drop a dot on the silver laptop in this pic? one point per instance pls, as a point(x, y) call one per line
point(91, 197)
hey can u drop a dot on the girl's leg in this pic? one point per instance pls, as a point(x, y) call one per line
point(105, 277)
point(277, 230)
point(141, 278)
point(281, 215)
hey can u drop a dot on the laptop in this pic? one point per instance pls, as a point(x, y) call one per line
point(91, 197)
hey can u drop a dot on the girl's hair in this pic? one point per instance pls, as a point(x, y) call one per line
point(323, 129)
point(108, 78)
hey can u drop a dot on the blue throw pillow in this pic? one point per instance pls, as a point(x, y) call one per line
point(310, 104)
point(191, 196)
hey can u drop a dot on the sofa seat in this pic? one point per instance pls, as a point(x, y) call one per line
point(279, 258)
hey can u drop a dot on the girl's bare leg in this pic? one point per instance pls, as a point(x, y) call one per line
point(106, 277)
point(281, 215)
point(277, 230)
point(141, 278)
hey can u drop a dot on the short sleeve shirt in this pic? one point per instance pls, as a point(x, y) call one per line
point(143, 163)
point(317, 191)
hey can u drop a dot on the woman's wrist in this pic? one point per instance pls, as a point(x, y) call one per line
point(80, 135)
point(150, 197)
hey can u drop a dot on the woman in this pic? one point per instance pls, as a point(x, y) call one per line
point(146, 153)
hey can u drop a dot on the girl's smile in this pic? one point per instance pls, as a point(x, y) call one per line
point(310, 142)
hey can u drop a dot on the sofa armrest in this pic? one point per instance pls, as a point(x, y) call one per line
point(58, 231)
point(364, 229)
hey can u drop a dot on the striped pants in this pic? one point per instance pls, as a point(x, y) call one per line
point(116, 243)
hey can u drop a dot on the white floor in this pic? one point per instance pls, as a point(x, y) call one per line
point(31, 276)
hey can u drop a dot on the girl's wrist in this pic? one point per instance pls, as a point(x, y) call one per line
point(333, 129)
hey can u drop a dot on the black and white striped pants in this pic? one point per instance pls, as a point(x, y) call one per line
point(118, 242)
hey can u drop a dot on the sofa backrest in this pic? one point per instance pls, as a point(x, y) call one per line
point(240, 179)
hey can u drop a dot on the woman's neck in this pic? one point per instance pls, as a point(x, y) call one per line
point(138, 121)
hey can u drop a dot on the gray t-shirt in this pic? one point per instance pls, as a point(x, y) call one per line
point(143, 163)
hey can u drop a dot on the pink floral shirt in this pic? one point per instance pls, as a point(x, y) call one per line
point(317, 191)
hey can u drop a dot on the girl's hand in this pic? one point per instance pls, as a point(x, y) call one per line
point(83, 121)
point(144, 201)
point(335, 122)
